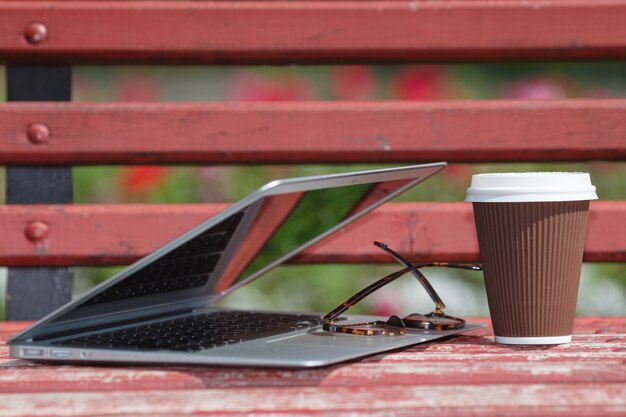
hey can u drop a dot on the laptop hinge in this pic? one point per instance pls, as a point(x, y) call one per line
point(110, 324)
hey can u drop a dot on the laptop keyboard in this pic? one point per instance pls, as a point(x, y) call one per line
point(196, 333)
point(188, 266)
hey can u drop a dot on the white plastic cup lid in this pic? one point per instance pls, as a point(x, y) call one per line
point(530, 187)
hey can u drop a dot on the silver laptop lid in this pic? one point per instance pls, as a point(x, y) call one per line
point(234, 247)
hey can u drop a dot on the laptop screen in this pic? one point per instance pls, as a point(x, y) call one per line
point(244, 242)
point(241, 247)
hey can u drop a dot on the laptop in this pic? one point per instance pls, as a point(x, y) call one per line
point(162, 309)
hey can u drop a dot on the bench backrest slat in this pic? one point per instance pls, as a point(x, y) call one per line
point(305, 132)
point(438, 231)
point(302, 31)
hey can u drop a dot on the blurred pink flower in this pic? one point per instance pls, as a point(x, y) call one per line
point(253, 87)
point(386, 303)
point(138, 180)
point(419, 83)
point(138, 88)
point(354, 82)
point(540, 88)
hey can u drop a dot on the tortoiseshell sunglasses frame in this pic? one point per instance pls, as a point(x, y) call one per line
point(396, 326)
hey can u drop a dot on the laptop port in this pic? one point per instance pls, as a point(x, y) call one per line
point(59, 353)
point(32, 352)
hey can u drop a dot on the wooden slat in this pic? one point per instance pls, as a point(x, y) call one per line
point(117, 234)
point(92, 234)
point(224, 133)
point(310, 31)
point(24, 378)
point(572, 400)
point(21, 377)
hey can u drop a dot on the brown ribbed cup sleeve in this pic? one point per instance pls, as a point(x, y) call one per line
point(532, 256)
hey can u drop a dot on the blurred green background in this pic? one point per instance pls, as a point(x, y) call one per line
point(323, 287)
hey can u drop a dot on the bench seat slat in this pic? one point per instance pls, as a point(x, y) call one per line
point(489, 400)
point(119, 234)
point(313, 31)
point(311, 132)
point(400, 373)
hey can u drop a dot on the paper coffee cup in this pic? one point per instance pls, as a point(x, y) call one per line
point(531, 234)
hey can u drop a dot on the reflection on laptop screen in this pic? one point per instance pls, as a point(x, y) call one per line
point(240, 247)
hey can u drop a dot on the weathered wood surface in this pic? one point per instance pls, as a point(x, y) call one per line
point(467, 375)
point(306, 132)
point(119, 234)
point(313, 31)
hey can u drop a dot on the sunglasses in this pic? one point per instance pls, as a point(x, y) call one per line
point(396, 326)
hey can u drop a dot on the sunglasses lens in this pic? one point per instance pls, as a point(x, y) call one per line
point(432, 321)
point(366, 329)
point(395, 321)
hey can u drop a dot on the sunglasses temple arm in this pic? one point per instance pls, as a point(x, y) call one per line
point(417, 274)
point(351, 302)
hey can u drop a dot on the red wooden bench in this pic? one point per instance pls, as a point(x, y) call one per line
point(43, 134)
